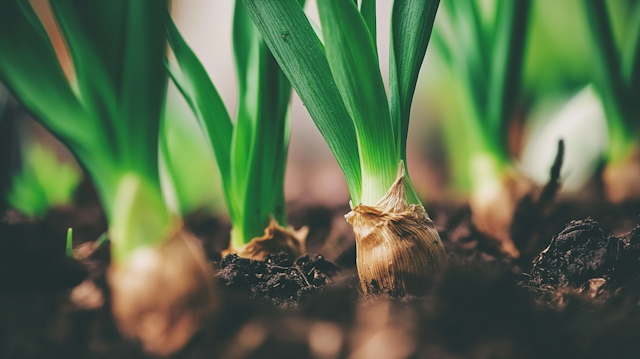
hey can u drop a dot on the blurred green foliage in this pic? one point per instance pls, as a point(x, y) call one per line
point(188, 166)
point(43, 182)
point(557, 58)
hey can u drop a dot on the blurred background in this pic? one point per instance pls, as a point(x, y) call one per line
point(555, 99)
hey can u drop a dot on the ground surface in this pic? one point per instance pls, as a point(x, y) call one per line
point(578, 299)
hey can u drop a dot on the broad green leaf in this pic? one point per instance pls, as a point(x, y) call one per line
point(143, 86)
point(631, 54)
point(31, 71)
point(246, 51)
point(411, 26)
point(506, 69)
point(195, 85)
point(354, 66)
point(261, 129)
point(94, 31)
point(470, 58)
point(368, 11)
point(609, 81)
point(286, 30)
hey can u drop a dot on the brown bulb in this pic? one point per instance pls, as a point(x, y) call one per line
point(275, 239)
point(163, 295)
point(397, 245)
point(493, 206)
point(622, 179)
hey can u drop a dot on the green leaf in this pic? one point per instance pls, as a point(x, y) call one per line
point(143, 85)
point(94, 32)
point(506, 69)
point(368, 11)
point(286, 30)
point(609, 82)
point(470, 57)
point(631, 54)
point(31, 71)
point(354, 65)
point(195, 85)
point(261, 136)
point(411, 27)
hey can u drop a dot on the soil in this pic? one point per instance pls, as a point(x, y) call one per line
point(578, 298)
point(278, 279)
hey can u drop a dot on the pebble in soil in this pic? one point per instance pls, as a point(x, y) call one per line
point(583, 260)
point(278, 279)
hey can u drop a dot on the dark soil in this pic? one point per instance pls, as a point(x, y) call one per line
point(582, 252)
point(483, 306)
point(278, 278)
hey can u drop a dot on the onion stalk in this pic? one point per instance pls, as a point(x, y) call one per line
point(250, 152)
point(618, 82)
point(341, 85)
point(108, 115)
point(486, 62)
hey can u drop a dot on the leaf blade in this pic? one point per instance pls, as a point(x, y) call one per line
point(368, 11)
point(411, 27)
point(261, 130)
point(354, 66)
point(506, 69)
point(293, 43)
point(194, 83)
point(94, 32)
point(31, 71)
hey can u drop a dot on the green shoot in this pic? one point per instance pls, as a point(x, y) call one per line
point(484, 60)
point(69, 249)
point(109, 117)
point(617, 76)
point(250, 151)
point(341, 86)
point(486, 63)
point(161, 287)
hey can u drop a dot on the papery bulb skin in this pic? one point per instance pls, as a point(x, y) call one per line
point(397, 245)
point(163, 295)
point(622, 179)
point(275, 239)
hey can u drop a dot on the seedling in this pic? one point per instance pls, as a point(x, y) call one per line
point(69, 248)
point(250, 152)
point(618, 82)
point(487, 61)
point(108, 115)
point(341, 85)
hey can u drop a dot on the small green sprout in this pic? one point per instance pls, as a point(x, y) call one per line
point(69, 249)
point(250, 152)
point(341, 86)
point(108, 115)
